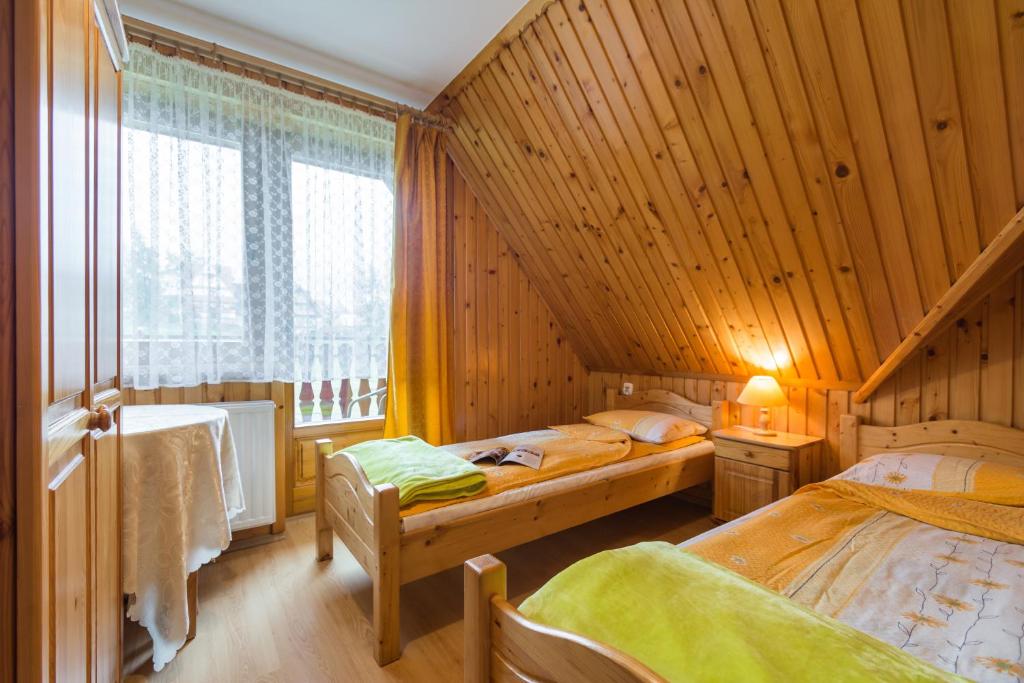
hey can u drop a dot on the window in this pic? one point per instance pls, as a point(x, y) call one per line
point(184, 251)
point(258, 231)
point(337, 252)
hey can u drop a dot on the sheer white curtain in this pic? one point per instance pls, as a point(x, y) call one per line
point(257, 230)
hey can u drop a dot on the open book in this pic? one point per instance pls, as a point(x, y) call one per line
point(531, 456)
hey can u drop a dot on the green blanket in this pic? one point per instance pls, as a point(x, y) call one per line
point(419, 470)
point(691, 620)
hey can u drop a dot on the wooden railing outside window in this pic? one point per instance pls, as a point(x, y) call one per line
point(339, 399)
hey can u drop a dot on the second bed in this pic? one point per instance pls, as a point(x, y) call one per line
point(396, 545)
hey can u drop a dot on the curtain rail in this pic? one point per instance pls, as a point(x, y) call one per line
point(216, 56)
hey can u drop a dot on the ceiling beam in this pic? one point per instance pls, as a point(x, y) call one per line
point(1001, 258)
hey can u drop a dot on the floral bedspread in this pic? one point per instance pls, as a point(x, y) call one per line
point(948, 596)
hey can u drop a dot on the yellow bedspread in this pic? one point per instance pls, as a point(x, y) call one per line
point(568, 449)
point(940, 575)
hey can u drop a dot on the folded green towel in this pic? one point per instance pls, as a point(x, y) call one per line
point(419, 470)
point(689, 619)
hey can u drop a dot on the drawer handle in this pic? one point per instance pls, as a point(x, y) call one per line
point(748, 454)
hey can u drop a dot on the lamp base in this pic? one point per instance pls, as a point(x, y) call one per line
point(762, 424)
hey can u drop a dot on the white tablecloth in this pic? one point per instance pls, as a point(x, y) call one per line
point(180, 487)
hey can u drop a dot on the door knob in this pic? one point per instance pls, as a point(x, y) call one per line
point(101, 419)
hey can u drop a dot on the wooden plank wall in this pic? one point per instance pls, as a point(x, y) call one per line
point(203, 393)
point(974, 371)
point(513, 368)
point(810, 410)
point(728, 187)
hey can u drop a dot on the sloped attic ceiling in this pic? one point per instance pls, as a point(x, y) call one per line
point(731, 187)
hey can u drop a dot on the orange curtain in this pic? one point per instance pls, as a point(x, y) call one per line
point(418, 384)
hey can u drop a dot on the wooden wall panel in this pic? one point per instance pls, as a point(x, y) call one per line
point(973, 371)
point(512, 368)
point(774, 186)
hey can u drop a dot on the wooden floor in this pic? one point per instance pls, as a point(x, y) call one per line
point(271, 613)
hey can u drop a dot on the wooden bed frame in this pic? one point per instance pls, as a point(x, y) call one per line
point(366, 517)
point(961, 438)
point(503, 645)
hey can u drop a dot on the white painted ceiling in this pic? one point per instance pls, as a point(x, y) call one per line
point(404, 50)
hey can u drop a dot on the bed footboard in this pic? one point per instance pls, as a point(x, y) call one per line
point(366, 518)
point(503, 645)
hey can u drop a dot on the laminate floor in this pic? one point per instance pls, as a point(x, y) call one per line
point(271, 613)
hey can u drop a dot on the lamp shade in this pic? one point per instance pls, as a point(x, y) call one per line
point(762, 391)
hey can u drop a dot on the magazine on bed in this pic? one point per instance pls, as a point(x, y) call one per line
point(531, 456)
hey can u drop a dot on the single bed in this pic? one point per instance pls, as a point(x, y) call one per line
point(948, 597)
point(395, 548)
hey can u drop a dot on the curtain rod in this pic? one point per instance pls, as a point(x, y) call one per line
point(215, 56)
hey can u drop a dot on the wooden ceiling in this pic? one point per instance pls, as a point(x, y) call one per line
point(728, 187)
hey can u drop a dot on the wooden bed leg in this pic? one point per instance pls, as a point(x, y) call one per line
point(386, 579)
point(483, 578)
point(324, 531)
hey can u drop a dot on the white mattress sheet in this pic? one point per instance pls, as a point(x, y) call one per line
point(550, 487)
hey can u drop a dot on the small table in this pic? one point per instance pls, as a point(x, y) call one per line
point(180, 489)
point(752, 470)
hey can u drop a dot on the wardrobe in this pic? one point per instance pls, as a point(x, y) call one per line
point(67, 56)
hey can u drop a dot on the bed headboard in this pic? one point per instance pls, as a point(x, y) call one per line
point(962, 438)
point(662, 401)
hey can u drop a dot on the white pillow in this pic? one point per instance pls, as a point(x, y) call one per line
point(647, 425)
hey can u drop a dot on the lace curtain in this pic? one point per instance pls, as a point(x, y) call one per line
point(257, 230)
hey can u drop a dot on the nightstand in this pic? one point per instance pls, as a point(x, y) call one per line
point(752, 471)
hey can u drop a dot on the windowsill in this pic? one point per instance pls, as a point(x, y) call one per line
point(356, 424)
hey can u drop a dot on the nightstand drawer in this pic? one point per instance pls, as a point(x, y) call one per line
point(776, 458)
point(741, 488)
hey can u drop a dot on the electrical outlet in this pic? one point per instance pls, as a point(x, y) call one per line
point(627, 389)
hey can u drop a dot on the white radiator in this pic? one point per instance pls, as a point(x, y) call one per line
point(252, 425)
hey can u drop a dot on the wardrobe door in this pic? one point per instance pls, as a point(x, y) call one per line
point(66, 193)
point(106, 382)
point(68, 419)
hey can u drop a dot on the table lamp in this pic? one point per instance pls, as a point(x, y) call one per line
point(764, 392)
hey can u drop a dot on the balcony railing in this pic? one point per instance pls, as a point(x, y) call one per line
point(339, 399)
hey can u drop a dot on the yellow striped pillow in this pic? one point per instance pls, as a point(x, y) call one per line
point(647, 425)
point(937, 472)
